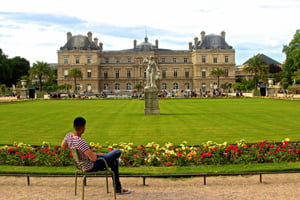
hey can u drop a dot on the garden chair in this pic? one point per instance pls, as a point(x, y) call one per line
point(78, 165)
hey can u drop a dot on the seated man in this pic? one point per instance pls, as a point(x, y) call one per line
point(74, 141)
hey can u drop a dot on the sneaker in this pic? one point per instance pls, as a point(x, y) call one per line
point(123, 191)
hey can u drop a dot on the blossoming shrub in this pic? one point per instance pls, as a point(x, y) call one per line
point(153, 154)
point(27, 155)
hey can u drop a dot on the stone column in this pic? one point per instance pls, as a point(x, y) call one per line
point(151, 101)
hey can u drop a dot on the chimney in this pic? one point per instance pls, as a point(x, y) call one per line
point(134, 44)
point(190, 46)
point(96, 41)
point(223, 35)
point(101, 46)
point(69, 35)
point(156, 43)
point(195, 42)
point(202, 36)
point(90, 35)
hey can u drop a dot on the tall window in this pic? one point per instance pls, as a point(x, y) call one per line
point(215, 59)
point(117, 74)
point(187, 86)
point(226, 72)
point(175, 73)
point(117, 86)
point(89, 73)
point(164, 86)
point(89, 60)
point(203, 59)
point(105, 74)
point(174, 60)
point(118, 60)
point(129, 60)
point(187, 74)
point(66, 60)
point(164, 74)
point(185, 60)
point(163, 60)
point(203, 87)
point(175, 86)
point(66, 73)
point(77, 60)
point(128, 74)
point(105, 87)
point(89, 87)
point(128, 86)
point(78, 86)
point(106, 60)
point(226, 59)
point(145, 74)
point(203, 73)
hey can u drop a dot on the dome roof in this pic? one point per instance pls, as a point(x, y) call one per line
point(145, 46)
point(213, 42)
point(79, 42)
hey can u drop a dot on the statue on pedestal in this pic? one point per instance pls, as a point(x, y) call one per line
point(152, 72)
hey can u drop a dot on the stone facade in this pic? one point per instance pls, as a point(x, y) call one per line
point(120, 71)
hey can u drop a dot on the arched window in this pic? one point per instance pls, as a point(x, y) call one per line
point(117, 86)
point(175, 86)
point(128, 86)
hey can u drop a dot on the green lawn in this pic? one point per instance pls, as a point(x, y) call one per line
point(116, 121)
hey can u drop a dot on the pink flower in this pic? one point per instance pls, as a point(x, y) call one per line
point(179, 155)
point(11, 149)
point(208, 154)
point(136, 155)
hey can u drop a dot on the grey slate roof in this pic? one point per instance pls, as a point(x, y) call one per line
point(79, 42)
point(267, 59)
point(213, 42)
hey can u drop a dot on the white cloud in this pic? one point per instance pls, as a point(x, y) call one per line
point(250, 26)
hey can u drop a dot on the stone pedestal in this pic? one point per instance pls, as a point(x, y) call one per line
point(23, 93)
point(151, 101)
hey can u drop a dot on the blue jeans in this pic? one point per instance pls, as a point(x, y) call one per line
point(113, 162)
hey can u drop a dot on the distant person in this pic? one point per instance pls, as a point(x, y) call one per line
point(74, 141)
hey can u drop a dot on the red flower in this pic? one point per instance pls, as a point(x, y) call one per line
point(179, 155)
point(169, 163)
point(11, 149)
point(71, 154)
point(208, 154)
point(110, 149)
point(136, 155)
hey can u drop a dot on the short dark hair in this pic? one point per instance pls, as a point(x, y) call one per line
point(79, 122)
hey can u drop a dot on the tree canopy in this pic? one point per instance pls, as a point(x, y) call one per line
point(217, 73)
point(41, 70)
point(292, 52)
point(75, 73)
point(11, 70)
point(257, 66)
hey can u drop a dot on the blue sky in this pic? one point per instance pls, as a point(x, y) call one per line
point(36, 29)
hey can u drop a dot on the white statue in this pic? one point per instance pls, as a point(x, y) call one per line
point(152, 73)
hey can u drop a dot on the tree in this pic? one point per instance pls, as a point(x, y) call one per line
point(296, 75)
point(20, 67)
point(5, 70)
point(258, 67)
point(217, 73)
point(292, 52)
point(41, 70)
point(138, 87)
point(75, 73)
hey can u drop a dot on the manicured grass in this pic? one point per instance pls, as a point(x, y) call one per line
point(117, 121)
point(161, 170)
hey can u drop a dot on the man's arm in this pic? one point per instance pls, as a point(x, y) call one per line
point(91, 155)
point(64, 145)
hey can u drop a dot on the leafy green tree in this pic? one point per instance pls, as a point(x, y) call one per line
point(41, 70)
point(5, 70)
point(138, 87)
point(20, 67)
point(217, 72)
point(297, 75)
point(258, 67)
point(75, 74)
point(292, 52)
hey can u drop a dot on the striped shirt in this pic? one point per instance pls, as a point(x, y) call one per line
point(81, 145)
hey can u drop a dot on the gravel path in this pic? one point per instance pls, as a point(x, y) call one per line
point(281, 186)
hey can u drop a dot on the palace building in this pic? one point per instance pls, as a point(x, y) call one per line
point(121, 71)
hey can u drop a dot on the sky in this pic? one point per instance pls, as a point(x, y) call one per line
point(35, 29)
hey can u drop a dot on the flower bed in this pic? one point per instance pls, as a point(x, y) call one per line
point(153, 154)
